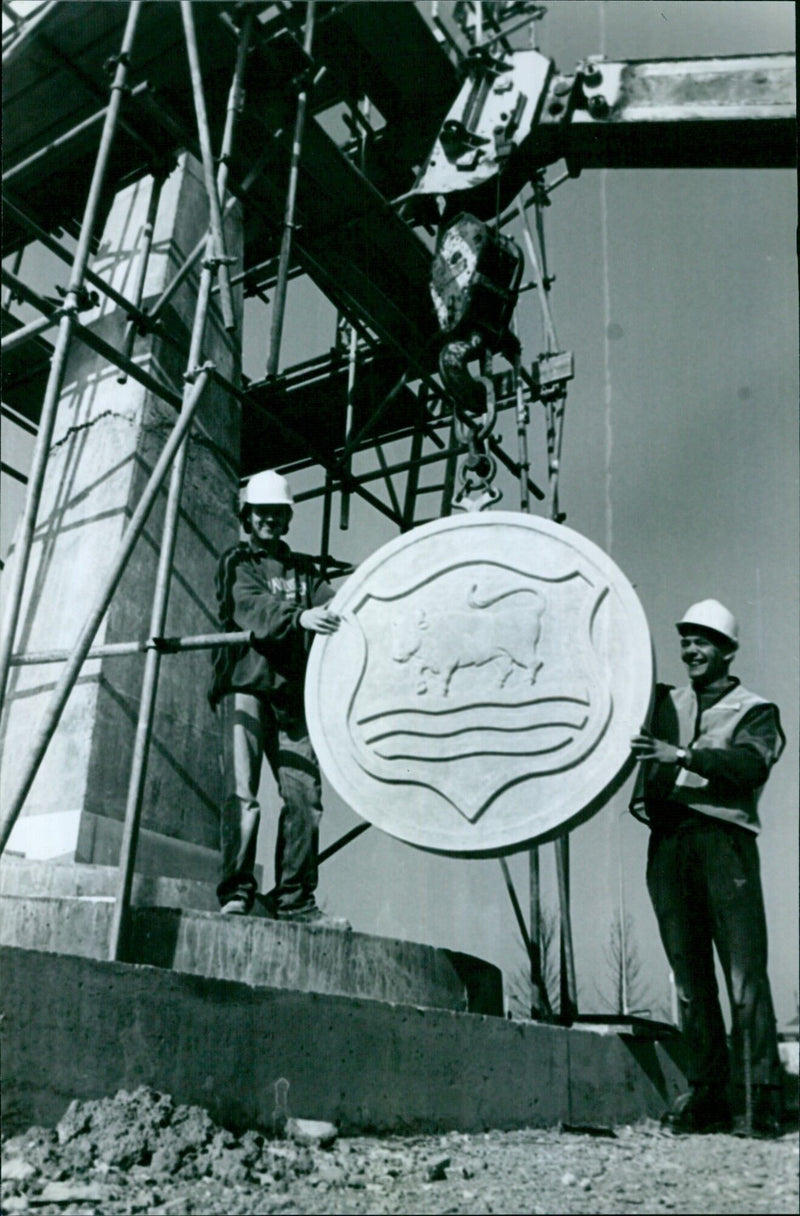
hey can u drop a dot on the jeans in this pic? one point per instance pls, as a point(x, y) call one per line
point(254, 727)
point(703, 879)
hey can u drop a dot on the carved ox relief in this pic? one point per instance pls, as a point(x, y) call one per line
point(437, 644)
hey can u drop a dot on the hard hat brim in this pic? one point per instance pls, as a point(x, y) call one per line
point(719, 639)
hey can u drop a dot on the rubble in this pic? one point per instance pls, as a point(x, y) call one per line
point(312, 1131)
point(141, 1152)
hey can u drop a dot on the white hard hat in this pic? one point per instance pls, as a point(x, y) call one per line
point(711, 614)
point(268, 489)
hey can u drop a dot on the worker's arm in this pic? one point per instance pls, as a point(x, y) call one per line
point(756, 744)
point(257, 608)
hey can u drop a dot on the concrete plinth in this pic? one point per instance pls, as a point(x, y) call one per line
point(79, 1028)
point(27, 879)
point(259, 952)
point(106, 441)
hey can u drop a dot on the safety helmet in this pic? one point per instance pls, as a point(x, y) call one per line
point(711, 614)
point(267, 489)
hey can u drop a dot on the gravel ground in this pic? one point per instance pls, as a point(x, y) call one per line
point(142, 1153)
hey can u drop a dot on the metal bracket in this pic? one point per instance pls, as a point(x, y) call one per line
point(600, 86)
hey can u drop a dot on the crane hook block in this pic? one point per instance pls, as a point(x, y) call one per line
point(475, 279)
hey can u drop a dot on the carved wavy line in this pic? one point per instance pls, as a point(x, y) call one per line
point(470, 755)
point(464, 709)
point(468, 730)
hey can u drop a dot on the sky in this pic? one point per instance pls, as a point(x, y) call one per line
point(677, 293)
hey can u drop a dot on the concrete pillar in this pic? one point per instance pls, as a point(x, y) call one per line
point(107, 439)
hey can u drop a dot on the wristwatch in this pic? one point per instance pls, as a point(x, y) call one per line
point(682, 757)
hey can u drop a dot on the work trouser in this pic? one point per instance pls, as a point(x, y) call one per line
point(703, 879)
point(254, 727)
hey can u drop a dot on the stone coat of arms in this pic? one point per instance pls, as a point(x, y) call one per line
point(484, 684)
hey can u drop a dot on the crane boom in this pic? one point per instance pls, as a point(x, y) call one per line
point(517, 113)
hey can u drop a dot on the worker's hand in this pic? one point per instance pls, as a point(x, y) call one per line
point(645, 746)
point(320, 620)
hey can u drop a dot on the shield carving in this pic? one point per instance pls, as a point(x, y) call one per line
point(465, 689)
point(483, 687)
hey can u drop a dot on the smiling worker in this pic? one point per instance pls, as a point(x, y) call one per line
point(704, 762)
point(263, 587)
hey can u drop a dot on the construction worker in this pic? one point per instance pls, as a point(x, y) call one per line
point(263, 587)
point(704, 761)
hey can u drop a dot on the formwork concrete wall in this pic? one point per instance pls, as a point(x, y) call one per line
point(79, 1028)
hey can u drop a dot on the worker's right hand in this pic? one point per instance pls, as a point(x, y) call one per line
point(320, 620)
point(645, 746)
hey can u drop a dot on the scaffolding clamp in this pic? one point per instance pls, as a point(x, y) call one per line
point(191, 373)
point(75, 300)
point(113, 61)
point(215, 260)
point(110, 67)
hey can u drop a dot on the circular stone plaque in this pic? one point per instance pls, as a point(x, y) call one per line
point(484, 685)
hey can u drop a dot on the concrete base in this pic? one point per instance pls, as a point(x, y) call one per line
point(260, 952)
point(26, 878)
point(80, 1028)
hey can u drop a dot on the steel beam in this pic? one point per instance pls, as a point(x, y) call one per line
point(734, 112)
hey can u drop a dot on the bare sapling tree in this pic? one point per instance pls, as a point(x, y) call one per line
point(518, 983)
point(626, 990)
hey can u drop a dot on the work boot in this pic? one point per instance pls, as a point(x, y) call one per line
point(700, 1110)
point(237, 905)
point(311, 914)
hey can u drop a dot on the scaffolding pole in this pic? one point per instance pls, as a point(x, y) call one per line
point(415, 456)
point(234, 109)
point(94, 342)
point(220, 258)
point(59, 362)
point(531, 944)
point(551, 340)
point(8, 299)
point(279, 304)
point(147, 700)
point(118, 650)
point(568, 1005)
point(539, 1005)
point(71, 671)
point(30, 331)
point(90, 276)
point(352, 366)
point(402, 466)
point(144, 727)
point(324, 461)
point(148, 231)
